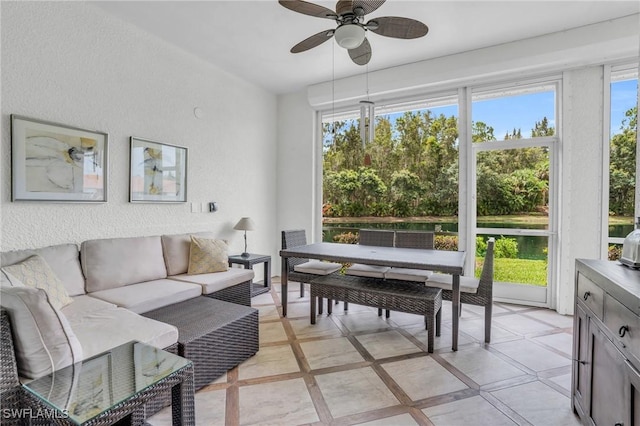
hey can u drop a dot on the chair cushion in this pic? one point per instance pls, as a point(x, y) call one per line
point(445, 282)
point(207, 255)
point(44, 341)
point(63, 259)
point(35, 272)
point(217, 281)
point(175, 249)
point(372, 271)
point(406, 274)
point(317, 267)
point(149, 295)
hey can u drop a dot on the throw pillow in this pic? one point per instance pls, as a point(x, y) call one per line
point(35, 272)
point(207, 255)
point(43, 339)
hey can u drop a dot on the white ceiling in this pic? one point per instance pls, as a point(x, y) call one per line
point(251, 39)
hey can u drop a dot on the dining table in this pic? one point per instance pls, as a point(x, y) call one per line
point(447, 262)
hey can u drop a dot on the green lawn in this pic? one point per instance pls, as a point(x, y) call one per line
point(532, 272)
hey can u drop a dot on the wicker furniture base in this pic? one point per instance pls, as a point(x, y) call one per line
point(403, 296)
point(239, 294)
point(213, 334)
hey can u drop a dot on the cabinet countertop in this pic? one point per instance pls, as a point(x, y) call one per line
point(621, 282)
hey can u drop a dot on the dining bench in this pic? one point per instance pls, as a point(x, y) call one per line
point(397, 295)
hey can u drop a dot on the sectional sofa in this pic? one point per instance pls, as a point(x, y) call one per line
point(111, 284)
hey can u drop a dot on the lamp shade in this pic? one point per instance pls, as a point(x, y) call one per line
point(245, 224)
point(349, 36)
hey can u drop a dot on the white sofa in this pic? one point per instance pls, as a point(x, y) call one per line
point(113, 281)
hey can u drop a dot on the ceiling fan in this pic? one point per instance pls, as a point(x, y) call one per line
point(351, 30)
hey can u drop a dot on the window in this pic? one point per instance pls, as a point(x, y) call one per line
point(623, 118)
point(514, 140)
point(409, 172)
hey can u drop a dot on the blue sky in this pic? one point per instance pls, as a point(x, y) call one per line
point(522, 111)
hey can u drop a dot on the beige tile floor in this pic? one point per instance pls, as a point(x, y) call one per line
point(357, 368)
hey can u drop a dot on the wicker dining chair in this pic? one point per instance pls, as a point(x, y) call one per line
point(411, 239)
point(372, 237)
point(473, 291)
point(304, 270)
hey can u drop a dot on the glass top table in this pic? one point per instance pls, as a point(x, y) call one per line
point(114, 384)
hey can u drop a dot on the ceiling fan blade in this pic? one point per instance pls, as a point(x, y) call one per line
point(313, 41)
point(307, 8)
point(368, 5)
point(361, 55)
point(396, 27)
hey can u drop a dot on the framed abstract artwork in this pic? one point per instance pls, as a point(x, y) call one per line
point(56, 162)
point(158, 172)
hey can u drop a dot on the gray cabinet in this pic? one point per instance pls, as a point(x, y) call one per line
point(606, 344)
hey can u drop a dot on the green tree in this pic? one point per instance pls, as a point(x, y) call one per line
point(622, 164)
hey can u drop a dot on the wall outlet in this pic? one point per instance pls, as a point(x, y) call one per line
point(195, 208)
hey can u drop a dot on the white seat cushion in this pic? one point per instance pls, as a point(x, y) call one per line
point(445, 282)
point(108, 326)
point(44, 341)
point(217, 281)
point(317, 267)
point(406, 274)
point(150, 295)
point(372, 271)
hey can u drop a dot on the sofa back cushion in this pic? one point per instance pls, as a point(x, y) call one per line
point(176, 251)
point(63, 259)
point(116, 262)
point(44, 341)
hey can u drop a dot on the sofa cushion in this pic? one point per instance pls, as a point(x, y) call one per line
point(63, 259)
point(83, 305)
point(149, 295)
point(6, 282)
point(216, 281)
point(207, 255)
point(107, 326)
point(117, 262)
point(175, 249)
point(35, 272)
point(43, 339)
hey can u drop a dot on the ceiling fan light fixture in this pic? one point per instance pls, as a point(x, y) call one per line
point(349, 36)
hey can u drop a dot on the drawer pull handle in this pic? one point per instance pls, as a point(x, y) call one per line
point(586, 295)
point(619, 424)
point(623, 330)
point(579, 361)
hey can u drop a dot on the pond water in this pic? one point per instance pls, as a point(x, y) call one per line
point(528, 247)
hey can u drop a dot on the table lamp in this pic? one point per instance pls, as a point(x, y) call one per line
point(245, 224)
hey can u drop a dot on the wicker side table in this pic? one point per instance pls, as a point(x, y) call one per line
point(395, 295)
point(248, 263)
point(113, 386)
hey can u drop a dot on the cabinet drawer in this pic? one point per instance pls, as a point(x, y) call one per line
point(624, 325)
point(591, 295)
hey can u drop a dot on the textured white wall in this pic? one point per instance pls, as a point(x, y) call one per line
point(70, 62)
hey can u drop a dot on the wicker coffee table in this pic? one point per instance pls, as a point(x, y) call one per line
point(214, 334)
point(114, 386)
point(402, 296)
